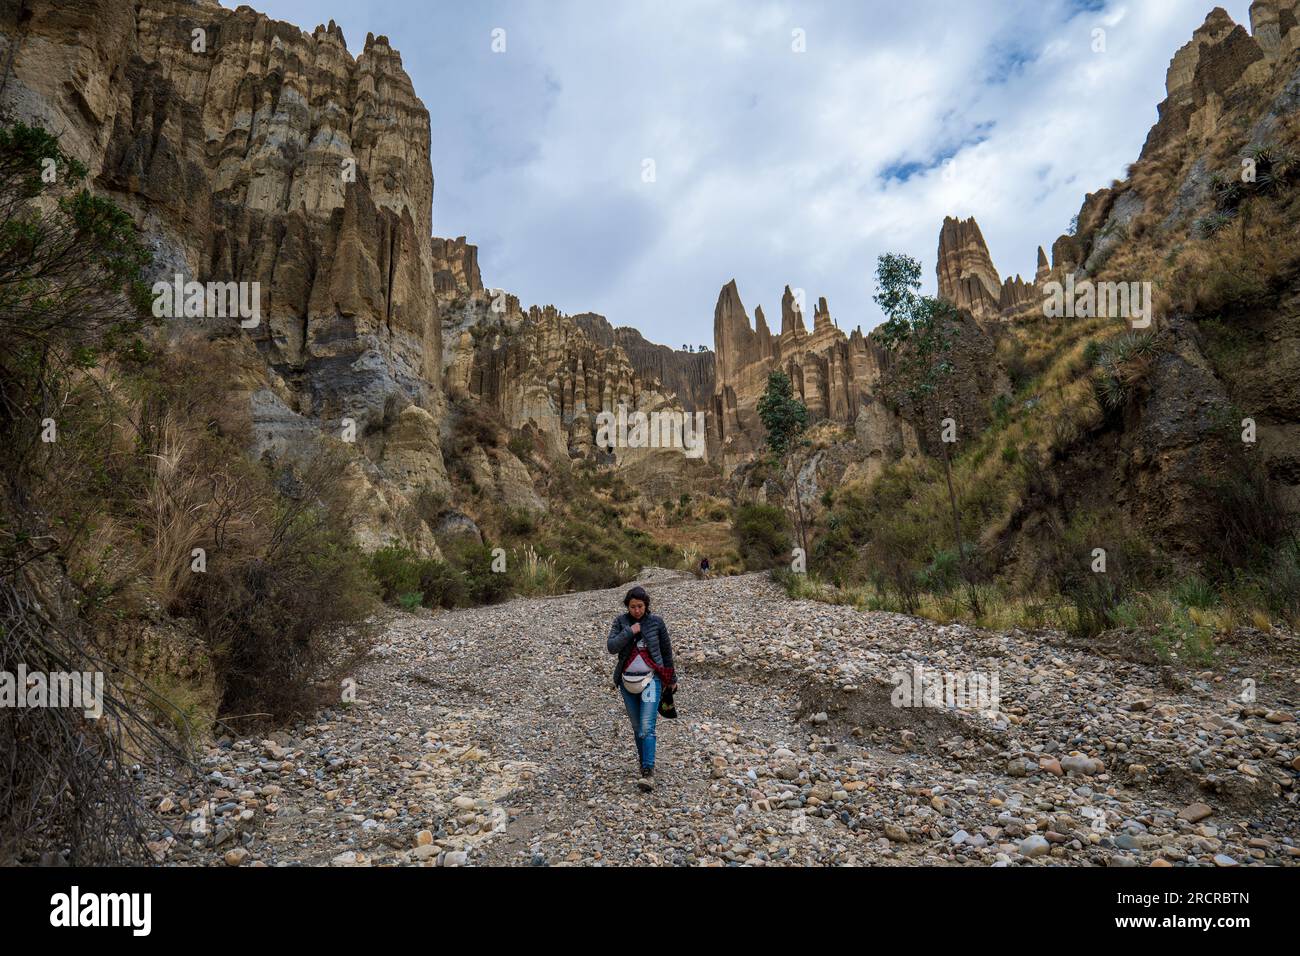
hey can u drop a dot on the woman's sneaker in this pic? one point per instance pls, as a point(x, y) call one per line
point(647, 781)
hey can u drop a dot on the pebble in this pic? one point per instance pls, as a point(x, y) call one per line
point(1034, 846)
point(1195, 813)
point(435, 764)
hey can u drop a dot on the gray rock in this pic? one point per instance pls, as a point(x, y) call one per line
point(1034, 846)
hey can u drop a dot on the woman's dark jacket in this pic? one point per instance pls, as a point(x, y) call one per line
point(623, 642)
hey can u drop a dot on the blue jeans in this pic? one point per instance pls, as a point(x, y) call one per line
point(643, 711)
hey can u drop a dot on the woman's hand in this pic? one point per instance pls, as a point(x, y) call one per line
point(636, 628)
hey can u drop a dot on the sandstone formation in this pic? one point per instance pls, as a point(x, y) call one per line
point(250, 151)
point(688, 375)
point(1203, 70)
point(1044, 268)
point(1214, 72)
point(967, 277)
point(455, 267)
point(834, 375)
point(546, 375)
point(266, 154)
point(969, 280)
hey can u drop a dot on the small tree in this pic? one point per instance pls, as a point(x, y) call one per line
point(917, 328)
point(783, 415)
point(918, 331)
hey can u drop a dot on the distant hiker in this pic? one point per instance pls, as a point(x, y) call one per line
point(644, 673)
point(704, 567)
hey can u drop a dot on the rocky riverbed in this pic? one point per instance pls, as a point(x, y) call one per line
point(492, 736)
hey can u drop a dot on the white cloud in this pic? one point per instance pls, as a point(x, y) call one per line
point(769, 162)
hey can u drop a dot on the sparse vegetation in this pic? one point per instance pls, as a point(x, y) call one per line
point(762, 536)
point(129, 502)
point(783, 415)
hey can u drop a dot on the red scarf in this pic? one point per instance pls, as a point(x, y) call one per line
point(666, 674)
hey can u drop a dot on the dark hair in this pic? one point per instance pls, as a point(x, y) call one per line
point(637, 594)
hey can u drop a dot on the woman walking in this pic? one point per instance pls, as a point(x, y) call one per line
point(643, 674)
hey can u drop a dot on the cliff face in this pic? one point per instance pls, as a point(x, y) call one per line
point(834, 375)
point(969, 280)
point(252, 152)
point(688, 375)
point(1219, 54)
point(549, 374)
point(1225, 304)
point(550, 380)
point(273, 156)
point(455, 268)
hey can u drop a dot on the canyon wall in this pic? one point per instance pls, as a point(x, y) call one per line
point(969, 280)
point(688, 375)
point(251, 151)
point(834, 375)
point(840, 377)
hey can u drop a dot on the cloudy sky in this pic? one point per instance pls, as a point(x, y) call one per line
point(631, 157)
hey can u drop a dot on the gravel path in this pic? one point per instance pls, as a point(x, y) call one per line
point(491, 736)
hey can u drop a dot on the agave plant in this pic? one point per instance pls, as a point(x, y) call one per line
point(1278, 161)
point(1213, 224)
point(1228, 191)
point(1131, 346)
point(1111, 393)
point(1121, 364)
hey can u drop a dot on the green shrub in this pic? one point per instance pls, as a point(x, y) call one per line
point(1275, 585)
point(483, 585)
point(1249, 520)
point(429, 505)
point(1096, 600)
point(762, 534)
point(942, 574)
point(518, 522)
point(441, 585)
point(283, 615)
point(397, 570)
point(1122, 364)
point(521, 447)
point(1195, 591)
point(1091, 353)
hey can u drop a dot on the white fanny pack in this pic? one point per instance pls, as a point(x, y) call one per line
point(636, 683)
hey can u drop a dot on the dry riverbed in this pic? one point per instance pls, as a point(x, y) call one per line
point(492, 736)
